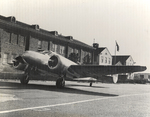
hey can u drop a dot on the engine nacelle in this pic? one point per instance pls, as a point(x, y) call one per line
point(59, 64)
point(19, 63)
point(55, 64)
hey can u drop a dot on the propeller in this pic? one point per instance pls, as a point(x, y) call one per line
point(53, 61)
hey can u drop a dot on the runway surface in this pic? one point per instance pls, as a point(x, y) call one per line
point(43, 99)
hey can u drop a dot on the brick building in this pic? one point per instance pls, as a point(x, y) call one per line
point(17, 37)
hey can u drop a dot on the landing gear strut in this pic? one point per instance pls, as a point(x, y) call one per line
point(25, 79)
point(90, 84)
point(60, 83)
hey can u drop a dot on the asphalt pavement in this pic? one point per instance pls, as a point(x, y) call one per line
point(43, 99)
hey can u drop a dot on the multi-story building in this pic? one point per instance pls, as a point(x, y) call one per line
point(17, 37)
point(102, 55)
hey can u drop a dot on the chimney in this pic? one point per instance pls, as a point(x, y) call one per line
point(54, 33)
point(36, 27)
point(11, 19)
point(95, 45)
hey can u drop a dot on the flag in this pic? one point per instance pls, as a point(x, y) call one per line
point(117, 46)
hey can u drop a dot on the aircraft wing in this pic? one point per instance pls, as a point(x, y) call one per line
point(99, 70)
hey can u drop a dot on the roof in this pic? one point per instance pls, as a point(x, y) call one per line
point(99, 50)
point(5, 22)
point(122, 59)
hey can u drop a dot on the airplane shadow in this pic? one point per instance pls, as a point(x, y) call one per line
point(18, 86)
point(86, 85)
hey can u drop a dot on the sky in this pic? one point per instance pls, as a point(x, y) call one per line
point(99, 21)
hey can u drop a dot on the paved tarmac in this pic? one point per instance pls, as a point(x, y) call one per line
point(43, 99)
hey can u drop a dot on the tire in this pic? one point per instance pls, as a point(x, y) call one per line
point(25, 79)
point(60, 83)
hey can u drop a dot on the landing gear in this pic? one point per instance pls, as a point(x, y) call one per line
point(60, 83)
point(25, 79)
point(90, 84)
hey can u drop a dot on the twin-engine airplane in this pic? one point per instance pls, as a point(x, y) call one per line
point(35, 64)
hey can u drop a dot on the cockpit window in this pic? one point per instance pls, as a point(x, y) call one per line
point(46, 52)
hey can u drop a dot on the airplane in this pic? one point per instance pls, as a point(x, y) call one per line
point(35, 64)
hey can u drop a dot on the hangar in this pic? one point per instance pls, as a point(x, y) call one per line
point(17, 37)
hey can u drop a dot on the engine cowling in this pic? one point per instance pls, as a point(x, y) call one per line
point(19, 63)
point(55, 64)
point(59, 64)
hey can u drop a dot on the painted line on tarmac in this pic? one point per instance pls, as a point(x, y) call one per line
point(69, 103)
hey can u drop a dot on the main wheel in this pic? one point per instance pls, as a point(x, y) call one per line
point(24, 79)
point(60, 83)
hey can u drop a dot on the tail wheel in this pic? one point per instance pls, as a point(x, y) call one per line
point(115, 78)
point(60, 83)
point(24, 79)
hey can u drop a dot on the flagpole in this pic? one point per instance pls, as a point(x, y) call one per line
point(115, 54)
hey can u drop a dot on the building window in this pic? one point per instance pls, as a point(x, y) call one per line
point(39, 44)
point(10, 37)
point(5, 58)
point(24, 41)
point(62, 49)
point(109, 60)
point(105, 59)
point(17, 39)
point(55, 48)
point(76, 51)
point(71, 50)
point(102, 59)
point(13, 57)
